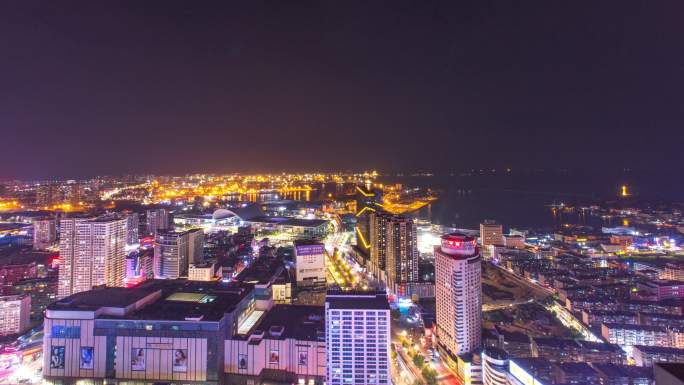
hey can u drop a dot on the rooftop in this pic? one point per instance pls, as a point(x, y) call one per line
point(630, 371)
point(581, 368)
point(648, 328)
point(659, 349)
point(534, 365)
point(361, 300)
point(95, 299)
point(304, 323)
point(599, 346)
point(675, 369)
point(556, 342)
point(169, 300)
point(261, 271)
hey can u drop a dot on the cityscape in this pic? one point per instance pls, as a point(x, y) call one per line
point(341, 193)
point(327, 278)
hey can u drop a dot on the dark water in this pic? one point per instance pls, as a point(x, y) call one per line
point(523, 200)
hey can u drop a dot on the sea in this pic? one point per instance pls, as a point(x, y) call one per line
point(524, 200)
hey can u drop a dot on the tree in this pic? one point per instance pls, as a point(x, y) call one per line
point(429, 375)
point(419, 361)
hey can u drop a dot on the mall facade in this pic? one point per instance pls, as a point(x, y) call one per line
point(182, 332)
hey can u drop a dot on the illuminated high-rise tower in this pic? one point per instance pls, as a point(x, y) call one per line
point(158, 220)
point(458, 294)
point(378, 243)
point(401, 263)
point(357, 338)
point(367, 201)
point(91, 253)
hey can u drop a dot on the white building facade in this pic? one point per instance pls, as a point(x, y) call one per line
point(15, 311)
point(458, 294)
point(310, 263)
point(91, 253)
point(357, 338)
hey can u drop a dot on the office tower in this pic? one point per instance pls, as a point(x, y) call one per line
point(310, 263)
point(458, 294)
point(92, 253)
point(172, 251)
point(15, 311)
point(378, 243)
point(195, 246)
point(132, 228)
point(357, 338)
point(402, 254)
point(491, 233)
point(157, 220)
point(44, 233)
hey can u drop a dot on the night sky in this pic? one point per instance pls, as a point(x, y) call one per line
point(91, 87)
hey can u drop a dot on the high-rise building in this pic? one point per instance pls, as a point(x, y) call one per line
point(46, 194)
point(195, 246)
point(378, 243)
point(15, 311)
point(157, 220)
point(310, 263)
point(132, 229)
point(367, 201)
point(458, 294)
point(91, 253)
point(491, 233)
point(44, 233)
point(175, 250)
point(402, 254)
point(357, 338)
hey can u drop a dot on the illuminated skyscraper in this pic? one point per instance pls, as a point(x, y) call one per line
point(378, 243)
point(195, 246)
point(158, 220)
point(367, 201)
point(175, 250)
point(132, 228)
point(402, 254)
point(91, 253)
point(357, 338)
point(458, 294)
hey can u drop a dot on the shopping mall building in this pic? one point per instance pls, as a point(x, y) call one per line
point(183, 332)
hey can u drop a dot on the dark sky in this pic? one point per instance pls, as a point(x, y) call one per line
point(91, 87)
